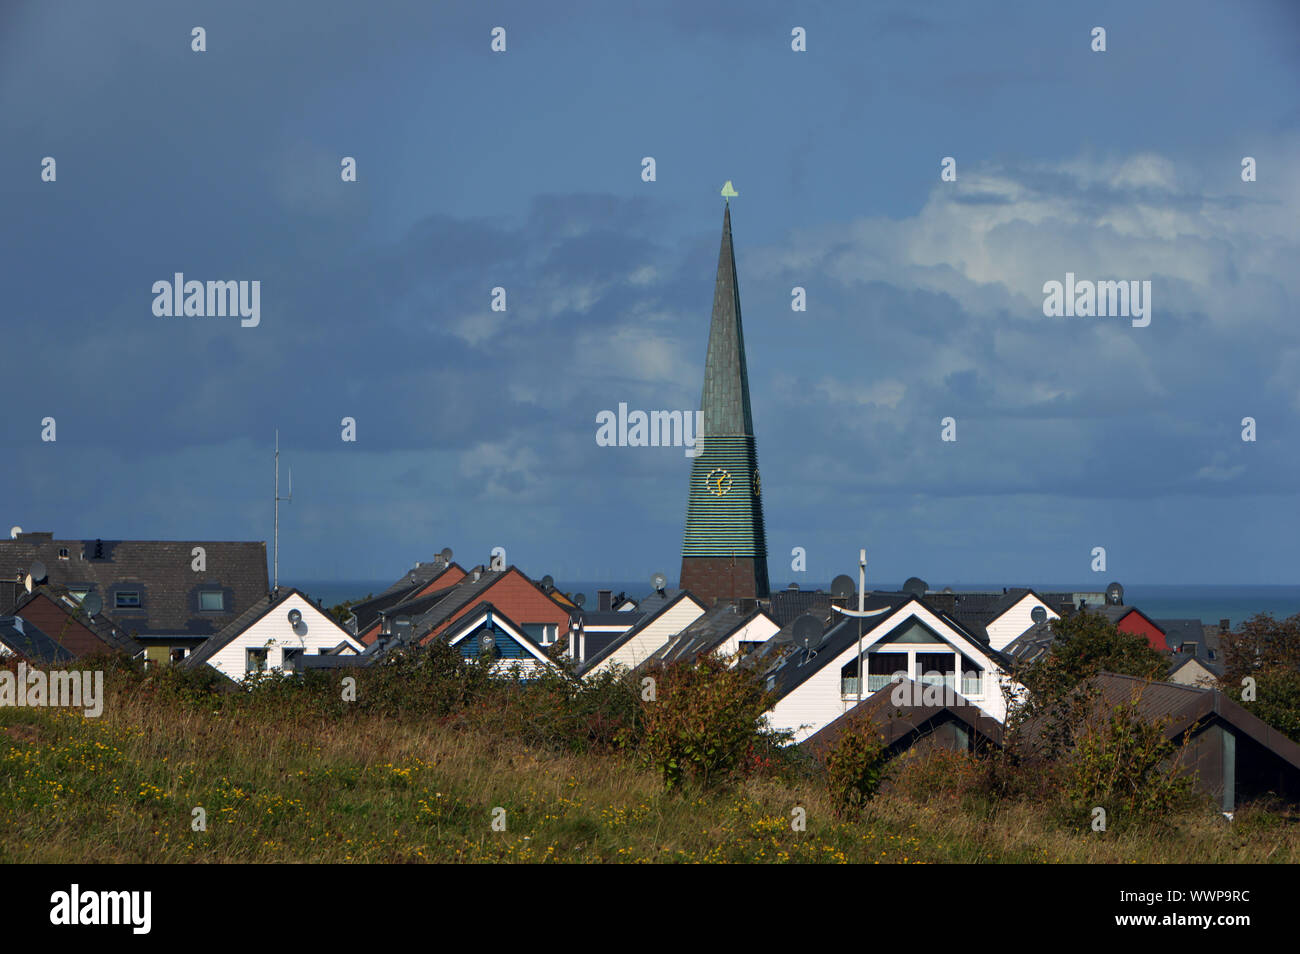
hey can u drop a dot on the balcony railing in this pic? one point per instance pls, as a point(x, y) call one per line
point(972, 684)
point(849, 684)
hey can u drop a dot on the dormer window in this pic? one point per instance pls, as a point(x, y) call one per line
point(63, 553)
point(127, 599)
point(213, 601)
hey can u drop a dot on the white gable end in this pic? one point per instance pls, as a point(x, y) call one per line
point(654, 636)
point(278, 637)
point(820, 699)
point(1016, 620)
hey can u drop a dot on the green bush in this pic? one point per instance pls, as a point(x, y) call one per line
point(1125, 764)
point(855, 769)
point(706, 723)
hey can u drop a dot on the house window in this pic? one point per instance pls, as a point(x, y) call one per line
point(1189, 648)
point(179, 653)
point(254, 660)
point(78, 595)
point(290, 659)
point(127, 599)
point(63, 553)
point(214, 600)
point(881, 668)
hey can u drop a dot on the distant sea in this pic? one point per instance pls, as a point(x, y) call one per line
point(1209, 603)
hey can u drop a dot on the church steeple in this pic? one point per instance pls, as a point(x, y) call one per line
point(724, 549)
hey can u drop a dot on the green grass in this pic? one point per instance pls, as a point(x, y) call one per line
point(368, 788)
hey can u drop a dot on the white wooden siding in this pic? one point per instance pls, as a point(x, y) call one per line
point(654, 636)
point(274, 633)
point(1003, 630)
point(758, 630)
point(817, 701)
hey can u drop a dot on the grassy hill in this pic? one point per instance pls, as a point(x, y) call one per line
point(288, 774)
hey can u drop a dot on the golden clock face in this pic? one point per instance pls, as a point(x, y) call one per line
point(718, 481)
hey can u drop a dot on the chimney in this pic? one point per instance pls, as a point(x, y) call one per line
point(604, 600)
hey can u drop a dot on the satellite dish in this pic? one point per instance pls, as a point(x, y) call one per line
point(580, 598)
point(38, 571)
point(1115, 594)
point(295, 617)
point(842, 587)
point(807, 631)
point(915, 586)
point(93, 604)
point(947, 589)
point(658, 581)
point(1038, 614)
point(445, 554)
point(548, 583)
point(486, 643)
point(14, 531)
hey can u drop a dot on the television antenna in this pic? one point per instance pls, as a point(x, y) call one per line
point(275, 585)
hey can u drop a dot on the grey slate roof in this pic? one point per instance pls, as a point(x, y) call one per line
point(797, 664)
point(102, 625)
point(704, 635)
point(28, 642)
point(421, 575)
point(1031, 645)
point(977, 609)
point(159, 569)
point(788, 605)
point(1184, 632)
point(220, 640)
point(653, 606)
point(458, 597)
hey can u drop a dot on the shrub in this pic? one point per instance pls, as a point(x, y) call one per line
point(1124, 763)
point(855, 769)
point(706, 723)
point(1277, 698)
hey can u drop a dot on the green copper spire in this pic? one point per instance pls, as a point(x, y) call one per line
point(724, 549)
point(726, 378)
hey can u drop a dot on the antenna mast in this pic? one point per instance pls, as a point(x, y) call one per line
point(276, 572)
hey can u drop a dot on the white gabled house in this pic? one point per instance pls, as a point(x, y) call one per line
point(488, 631)
point(271, 635)
point(815, 686)
point(722, 630)
point(1015, 619)
point(663, 617)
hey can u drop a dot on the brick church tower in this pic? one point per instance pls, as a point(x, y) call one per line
point(724, 549)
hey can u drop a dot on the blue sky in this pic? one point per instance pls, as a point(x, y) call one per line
point(522, 169)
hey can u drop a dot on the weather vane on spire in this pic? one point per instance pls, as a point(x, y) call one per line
point(728, 192)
